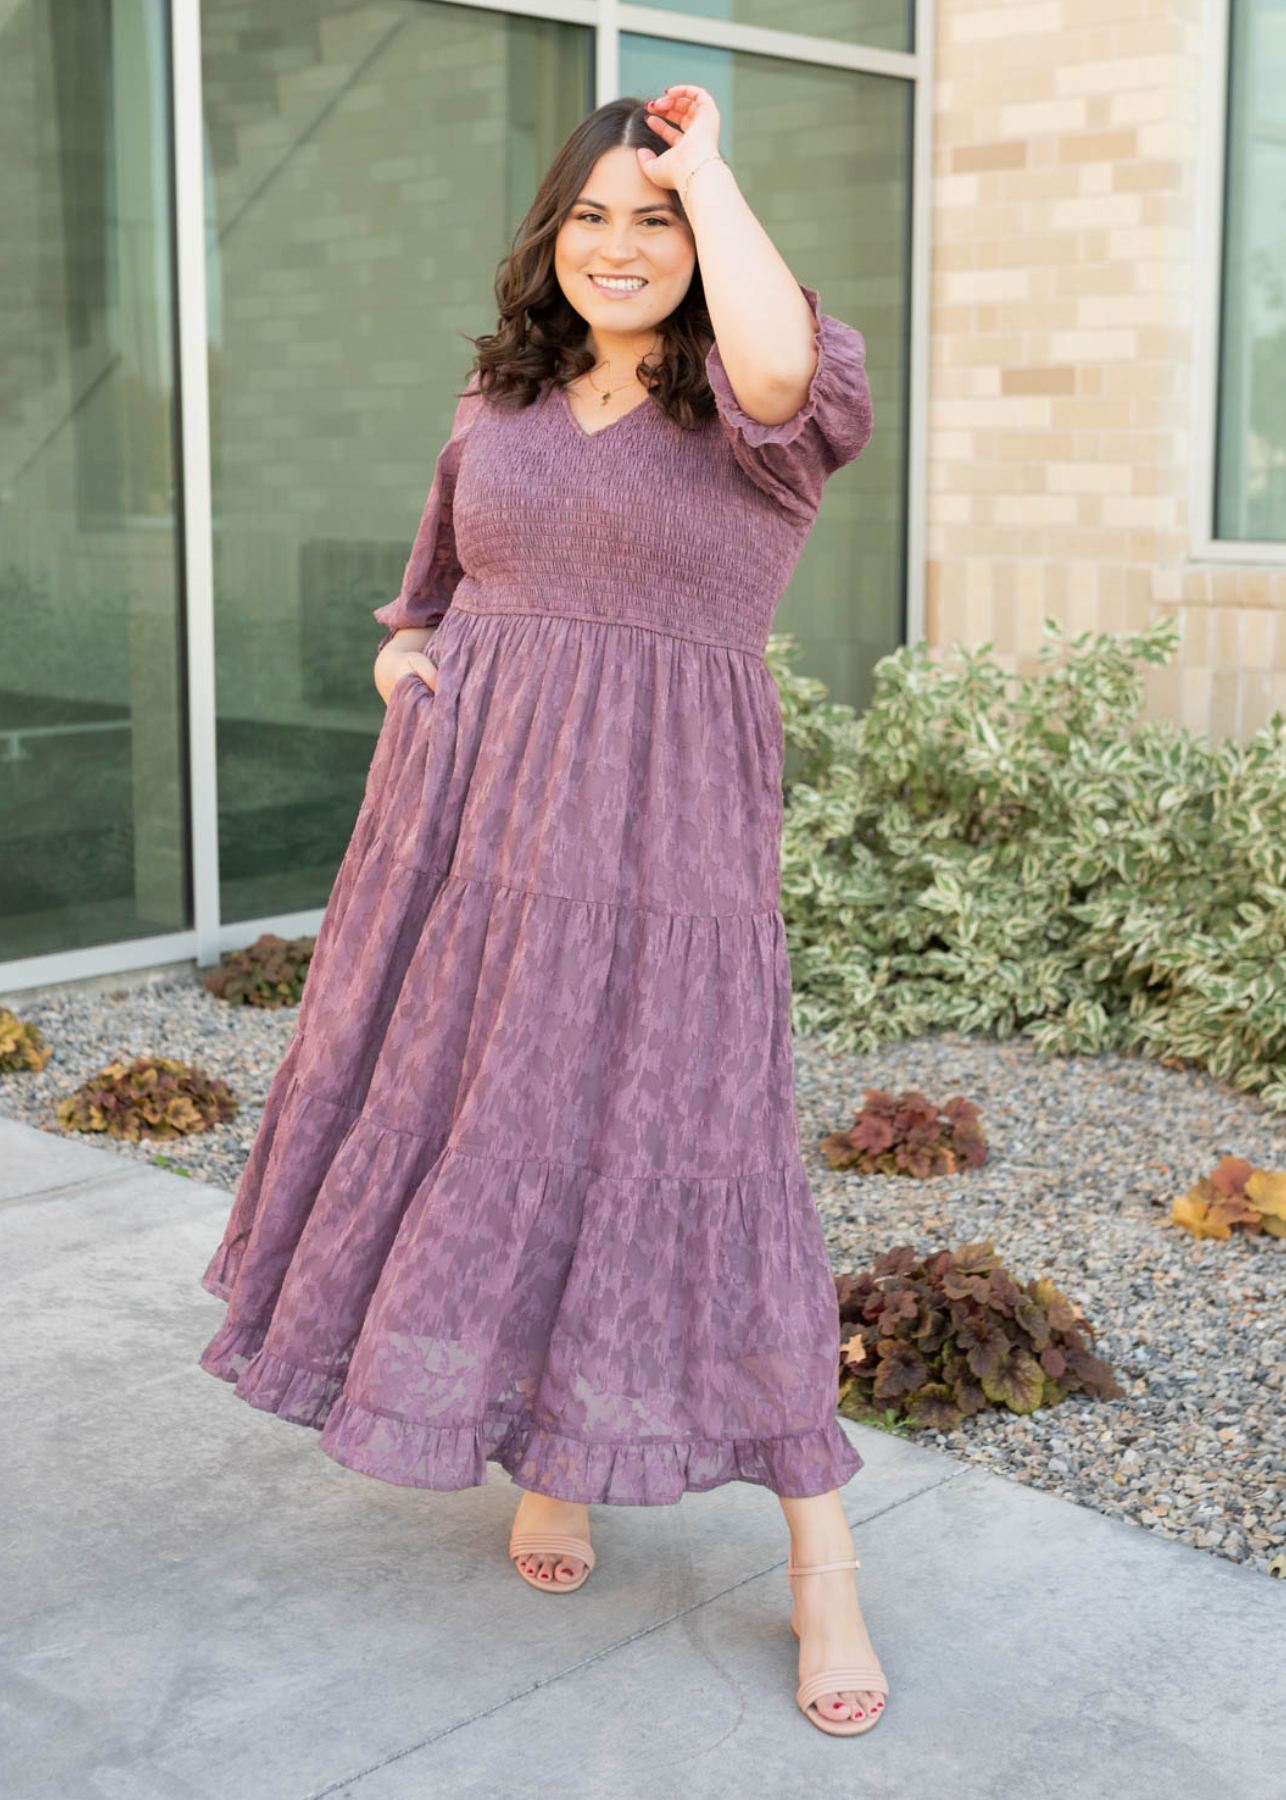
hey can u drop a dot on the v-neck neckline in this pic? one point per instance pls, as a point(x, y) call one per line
point(603, 429)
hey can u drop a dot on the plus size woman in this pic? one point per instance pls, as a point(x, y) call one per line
point(528, 1188)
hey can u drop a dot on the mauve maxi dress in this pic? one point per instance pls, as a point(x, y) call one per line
point(528, 1185)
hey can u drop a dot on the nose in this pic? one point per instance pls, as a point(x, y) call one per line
point(622, 247)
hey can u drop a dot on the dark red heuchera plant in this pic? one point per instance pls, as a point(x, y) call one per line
point(270, 972)
point(937, 1339)
point(906, 1136)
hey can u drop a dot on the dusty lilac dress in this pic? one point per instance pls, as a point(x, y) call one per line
point(528, 1184)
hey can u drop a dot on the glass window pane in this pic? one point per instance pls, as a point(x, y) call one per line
point(92, 804)
point(1250, 498)
point(368, 164)
point(824, 157)
point(881, 24)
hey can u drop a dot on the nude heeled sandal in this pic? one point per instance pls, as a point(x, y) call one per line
point(550, 1543)
point(834, 1681)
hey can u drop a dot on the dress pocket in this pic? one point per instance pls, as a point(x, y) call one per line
point(411, 677)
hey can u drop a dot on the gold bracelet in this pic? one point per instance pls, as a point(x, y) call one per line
point(713, 157)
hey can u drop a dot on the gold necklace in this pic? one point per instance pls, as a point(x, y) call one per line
point(607, 396)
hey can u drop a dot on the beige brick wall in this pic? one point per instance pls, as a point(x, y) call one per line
point(1062, 331)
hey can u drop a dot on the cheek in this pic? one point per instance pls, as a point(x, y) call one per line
point(674, 257)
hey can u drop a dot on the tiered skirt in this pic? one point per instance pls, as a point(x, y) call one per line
point(527, 1187)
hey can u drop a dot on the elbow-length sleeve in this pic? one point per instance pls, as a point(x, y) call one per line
point(433, 569)
point(792, 461)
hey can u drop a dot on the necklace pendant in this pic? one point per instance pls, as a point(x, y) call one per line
point(606, 397)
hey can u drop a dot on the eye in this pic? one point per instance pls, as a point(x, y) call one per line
point(656, 218)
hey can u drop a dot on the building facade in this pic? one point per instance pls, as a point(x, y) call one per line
point(247, 242)
point(1107, 335)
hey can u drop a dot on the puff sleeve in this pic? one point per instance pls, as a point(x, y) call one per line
point(792, 461)
point(433, 569)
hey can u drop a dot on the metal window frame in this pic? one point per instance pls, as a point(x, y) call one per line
point(210, 934)
point(1203, 545)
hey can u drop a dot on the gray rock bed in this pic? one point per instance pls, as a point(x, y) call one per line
point(1085, 1157)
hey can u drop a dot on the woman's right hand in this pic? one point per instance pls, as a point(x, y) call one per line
point(395, 661)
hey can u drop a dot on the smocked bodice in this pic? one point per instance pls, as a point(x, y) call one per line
point(691, 532)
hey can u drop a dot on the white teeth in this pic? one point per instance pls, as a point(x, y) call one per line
point(621, 284)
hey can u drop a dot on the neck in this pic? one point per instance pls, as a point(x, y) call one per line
point(616, 356)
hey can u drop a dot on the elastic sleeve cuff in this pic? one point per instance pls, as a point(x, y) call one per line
point(433, 569)
point(838, 397)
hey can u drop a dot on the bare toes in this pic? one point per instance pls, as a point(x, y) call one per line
point(832, 1706)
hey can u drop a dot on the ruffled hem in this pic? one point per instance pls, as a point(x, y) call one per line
point(547, 1462)
point(837, 391)
point(270, 1383)
point(566, 1468)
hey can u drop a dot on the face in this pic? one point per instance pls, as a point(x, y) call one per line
point(624, 225)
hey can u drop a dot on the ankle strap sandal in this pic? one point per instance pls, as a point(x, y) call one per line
point(870, 1678)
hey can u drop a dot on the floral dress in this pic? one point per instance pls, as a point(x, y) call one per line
point(528, 1185)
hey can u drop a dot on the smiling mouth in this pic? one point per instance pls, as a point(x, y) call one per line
point(629, 283)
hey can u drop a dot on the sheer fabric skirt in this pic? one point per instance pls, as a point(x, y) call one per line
point(527, 1186)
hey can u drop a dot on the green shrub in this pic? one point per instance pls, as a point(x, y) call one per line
point(153, 1096)
point(22, 1046)
point(1043, 862)
point(270, 972)
point(938, 1339)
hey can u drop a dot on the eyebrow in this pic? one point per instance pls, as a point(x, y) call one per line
point(661, 206)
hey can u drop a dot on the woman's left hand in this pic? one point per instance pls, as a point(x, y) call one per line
point(694, 134)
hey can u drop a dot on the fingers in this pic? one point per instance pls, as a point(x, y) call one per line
point(416, 663)
point(681, 98)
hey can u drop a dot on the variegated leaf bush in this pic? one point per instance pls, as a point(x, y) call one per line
point(981, 852)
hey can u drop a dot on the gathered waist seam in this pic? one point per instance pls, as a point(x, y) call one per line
point(535, 612)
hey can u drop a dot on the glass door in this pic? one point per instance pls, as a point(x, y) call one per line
point(367, 166)
point(93, 840)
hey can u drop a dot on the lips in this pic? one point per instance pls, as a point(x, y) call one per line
point(641, 280)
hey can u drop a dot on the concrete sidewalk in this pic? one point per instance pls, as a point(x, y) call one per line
point(197, 1604)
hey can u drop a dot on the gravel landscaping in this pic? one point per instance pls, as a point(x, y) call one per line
point(1085, 1157)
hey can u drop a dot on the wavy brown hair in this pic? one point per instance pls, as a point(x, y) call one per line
point(541, 336)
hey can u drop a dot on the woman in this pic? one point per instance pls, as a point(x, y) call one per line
point(528, 1187)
